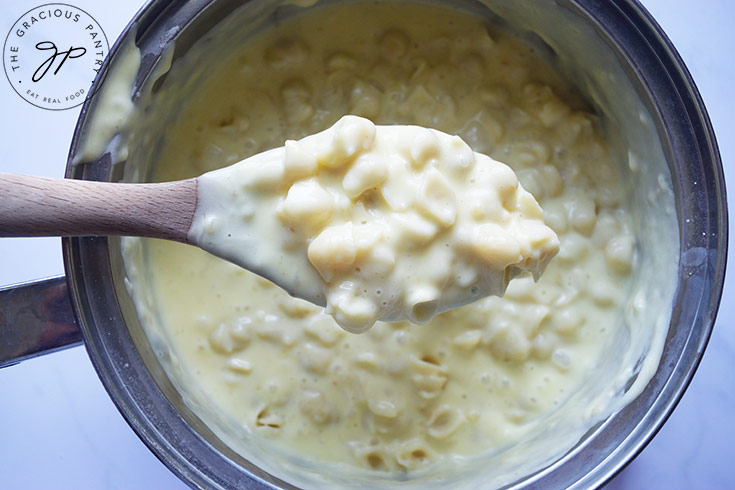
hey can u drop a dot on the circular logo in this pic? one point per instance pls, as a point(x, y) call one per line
point(52, 54)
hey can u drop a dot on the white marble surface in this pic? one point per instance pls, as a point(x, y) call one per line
point(59, 429)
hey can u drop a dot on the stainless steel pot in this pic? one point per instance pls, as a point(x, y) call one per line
point(107, 323)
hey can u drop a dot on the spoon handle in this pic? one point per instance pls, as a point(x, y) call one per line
point(40, 206)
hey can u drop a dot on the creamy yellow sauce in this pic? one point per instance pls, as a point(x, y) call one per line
point(375, 222)
point(401, 399)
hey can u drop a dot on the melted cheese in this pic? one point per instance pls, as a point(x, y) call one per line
point(504, 384)
point(386, 223)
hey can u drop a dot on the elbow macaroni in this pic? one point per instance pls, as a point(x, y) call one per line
point(399, 398)
point(400, 222)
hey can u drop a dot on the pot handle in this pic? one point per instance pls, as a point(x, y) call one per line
point(36, 318)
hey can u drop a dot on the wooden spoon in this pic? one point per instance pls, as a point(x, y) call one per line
point(242, 213)
point(40, 206)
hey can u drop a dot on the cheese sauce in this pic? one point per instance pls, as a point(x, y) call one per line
point(276, 377)
point(378, 222)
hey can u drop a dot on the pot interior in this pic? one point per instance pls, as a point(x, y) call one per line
point(598, 48)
